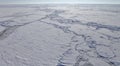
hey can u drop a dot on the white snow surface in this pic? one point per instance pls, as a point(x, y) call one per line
point(59, 35)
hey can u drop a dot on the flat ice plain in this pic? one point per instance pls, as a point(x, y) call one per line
point(59, 35)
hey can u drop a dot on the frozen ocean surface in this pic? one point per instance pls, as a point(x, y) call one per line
point(59, 35)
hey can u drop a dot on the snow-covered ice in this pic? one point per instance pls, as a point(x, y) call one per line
point(59, 35)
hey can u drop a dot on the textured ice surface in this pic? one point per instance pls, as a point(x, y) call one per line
point(59, 35)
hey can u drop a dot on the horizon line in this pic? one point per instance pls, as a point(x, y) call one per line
point(59, 3)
